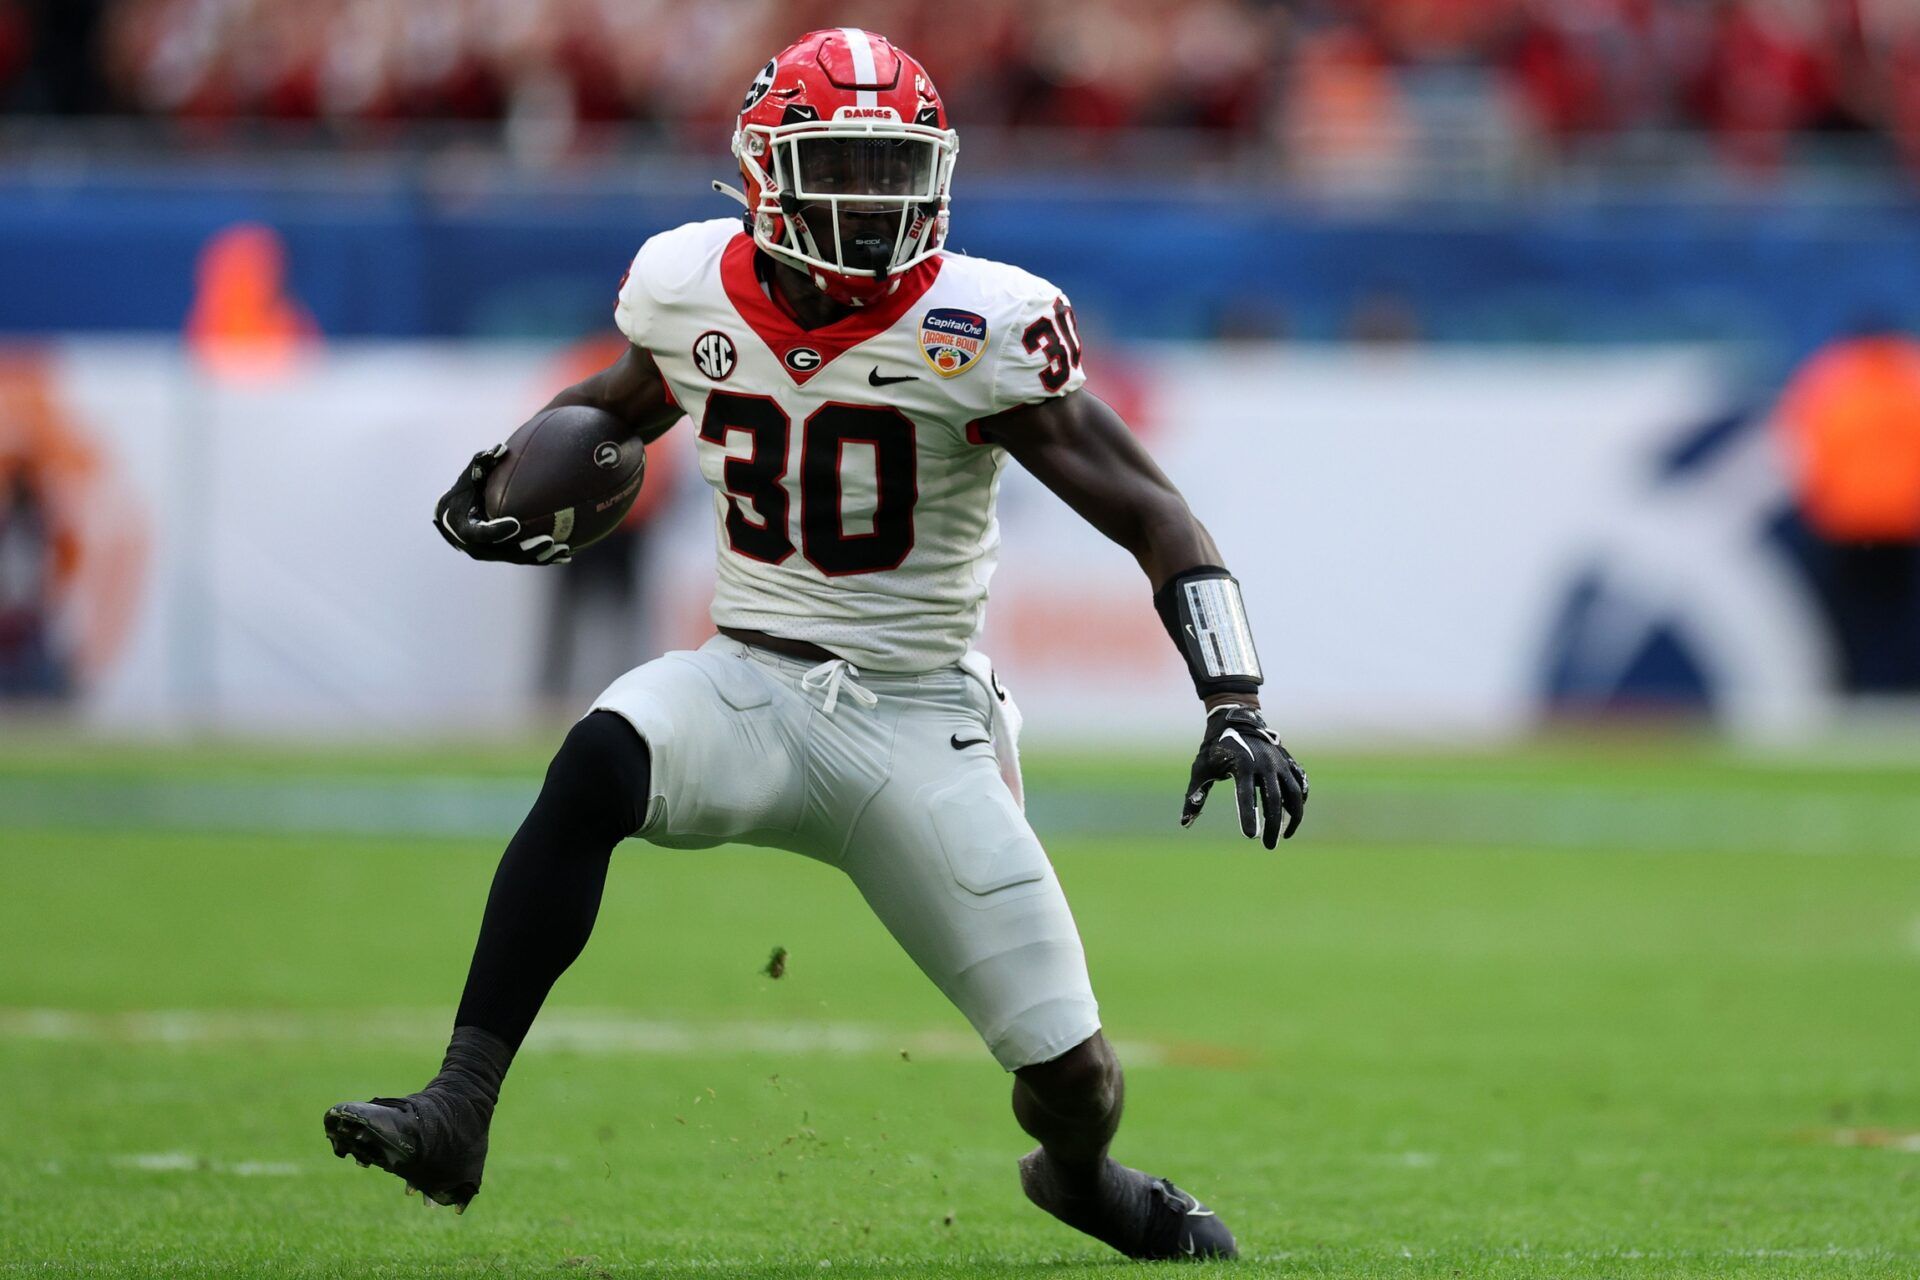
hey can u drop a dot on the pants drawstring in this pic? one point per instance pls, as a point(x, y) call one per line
point(834, 677)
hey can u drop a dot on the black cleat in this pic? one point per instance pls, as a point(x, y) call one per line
point(434, 1140)
point(1146, 1218)
point(420, 1139)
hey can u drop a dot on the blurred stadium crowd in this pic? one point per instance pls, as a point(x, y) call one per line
point(1751, 76)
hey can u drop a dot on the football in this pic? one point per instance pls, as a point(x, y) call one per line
point(571, 473)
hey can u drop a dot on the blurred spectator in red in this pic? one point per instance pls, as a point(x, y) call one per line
point(1315, 75)
point(15, 42)
point(1559, 75)
point(1345, 122)
point(1764, 76)
point(1897, 44)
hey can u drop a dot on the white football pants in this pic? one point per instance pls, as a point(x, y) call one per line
point(895, 780)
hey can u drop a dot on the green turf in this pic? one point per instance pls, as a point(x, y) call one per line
point(1374, 1059)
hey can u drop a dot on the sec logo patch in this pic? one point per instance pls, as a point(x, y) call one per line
point(952, 339)
point(713, 355)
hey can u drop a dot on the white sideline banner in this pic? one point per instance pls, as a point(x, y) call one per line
point(1406, 526)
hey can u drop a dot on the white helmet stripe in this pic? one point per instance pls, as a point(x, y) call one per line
point(863, 67)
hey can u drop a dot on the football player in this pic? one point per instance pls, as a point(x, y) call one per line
point(856, 392)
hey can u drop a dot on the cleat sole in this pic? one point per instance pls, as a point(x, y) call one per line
point(352, 1136)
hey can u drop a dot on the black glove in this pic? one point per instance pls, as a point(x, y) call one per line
point(462, 520)
point(1239, 745)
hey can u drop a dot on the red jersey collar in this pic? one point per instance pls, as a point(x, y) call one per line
point(784, 336)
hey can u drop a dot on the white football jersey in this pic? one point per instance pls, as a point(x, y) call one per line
point(855, 504)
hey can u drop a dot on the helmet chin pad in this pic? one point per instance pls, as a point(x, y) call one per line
point(865, 243)
point(852, 291)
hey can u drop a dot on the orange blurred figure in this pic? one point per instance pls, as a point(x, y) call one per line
point(73, 547)
point(1851, 422)
point(243, 323)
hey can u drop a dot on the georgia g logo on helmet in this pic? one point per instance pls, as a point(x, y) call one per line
point(758, 89)
point(847, 158)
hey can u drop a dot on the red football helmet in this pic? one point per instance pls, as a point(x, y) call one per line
point(848, 162)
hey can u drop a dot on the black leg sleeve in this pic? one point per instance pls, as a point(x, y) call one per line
point(546, 892)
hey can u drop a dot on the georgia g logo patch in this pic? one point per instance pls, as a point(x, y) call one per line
point(952, 340)
point(761, 83)
point(713, 355)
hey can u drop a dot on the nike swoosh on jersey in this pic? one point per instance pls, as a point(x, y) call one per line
point(875, 379)
point(959, 743)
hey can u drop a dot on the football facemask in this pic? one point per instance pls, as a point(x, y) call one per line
point(837, 193)
point(859, 202)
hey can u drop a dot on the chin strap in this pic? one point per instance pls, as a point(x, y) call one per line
point(734, 192)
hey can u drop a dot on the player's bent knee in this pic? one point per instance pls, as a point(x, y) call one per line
point(599, 777)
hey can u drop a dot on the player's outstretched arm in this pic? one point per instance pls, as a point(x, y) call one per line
point(1080, 449)
point(631, 389)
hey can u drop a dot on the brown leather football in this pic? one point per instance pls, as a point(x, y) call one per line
point(570, 473)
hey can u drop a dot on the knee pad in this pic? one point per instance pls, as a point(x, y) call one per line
point(598, 781)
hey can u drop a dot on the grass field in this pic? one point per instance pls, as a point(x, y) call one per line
point(1578, 1012)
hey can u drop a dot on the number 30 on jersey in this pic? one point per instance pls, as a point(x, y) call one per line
point(757, 502)
point(757, 519)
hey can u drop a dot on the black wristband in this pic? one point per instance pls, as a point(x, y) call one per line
point(1201, 609)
